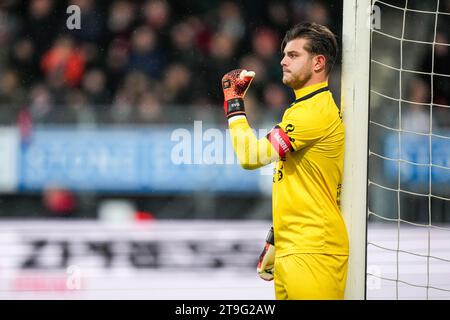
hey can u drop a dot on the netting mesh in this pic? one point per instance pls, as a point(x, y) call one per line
point(409, 151)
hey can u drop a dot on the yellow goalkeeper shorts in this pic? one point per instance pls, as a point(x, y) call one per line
point(310, 277)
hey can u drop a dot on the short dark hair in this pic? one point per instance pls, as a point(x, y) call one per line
point(321, 41)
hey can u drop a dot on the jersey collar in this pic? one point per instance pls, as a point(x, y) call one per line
point(300, 93)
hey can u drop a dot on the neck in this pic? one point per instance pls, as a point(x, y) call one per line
point(315, 79)
point(309, 88)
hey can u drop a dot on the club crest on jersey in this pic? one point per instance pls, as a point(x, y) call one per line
point(289, 128)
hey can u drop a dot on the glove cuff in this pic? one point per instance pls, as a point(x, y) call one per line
point(234, 107)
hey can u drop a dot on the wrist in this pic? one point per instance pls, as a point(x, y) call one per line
point(234, 107)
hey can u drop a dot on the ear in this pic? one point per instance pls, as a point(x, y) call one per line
point(319, 62)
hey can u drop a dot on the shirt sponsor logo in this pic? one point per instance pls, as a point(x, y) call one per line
point(281, 142)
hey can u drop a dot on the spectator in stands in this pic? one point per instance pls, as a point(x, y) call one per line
point(78, 109)
point(441, 84)
point(266, 46)
point(41, 24)
point(156, 15)
point(24, 60)
point(275, 98)
point(176, 89)
point(145, 54)
point(121, 18)
point(8, 27)
point(231, 21)
point(188, 39)
point(136, 84)
point(94, 85)
point(441, 77)
point(183, 41)
point(116, 63)
point(41, 103)
point(11, 92)
point(148, 109)
point(195, 43)
point(64, 62)
point(222, 51)
point(416, 115)
point(129, 96)
point(122, 107)
point(12, 96)
point(279, 18)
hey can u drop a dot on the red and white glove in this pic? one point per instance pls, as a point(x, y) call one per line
point(235, 84)
point(266, 263)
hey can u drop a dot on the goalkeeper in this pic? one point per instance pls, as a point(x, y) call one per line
point(307, 255)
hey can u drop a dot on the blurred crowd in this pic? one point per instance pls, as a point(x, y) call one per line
point(142, 61)
point(424, 89)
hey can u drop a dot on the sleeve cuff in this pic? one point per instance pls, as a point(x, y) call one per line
point(236, 117)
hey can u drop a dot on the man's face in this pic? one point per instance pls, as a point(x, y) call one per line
point(297, 64)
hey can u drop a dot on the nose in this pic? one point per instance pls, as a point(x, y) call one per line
point(283, 61)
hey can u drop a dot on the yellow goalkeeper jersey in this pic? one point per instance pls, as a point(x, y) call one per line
point(307, 181)
point(308, 147)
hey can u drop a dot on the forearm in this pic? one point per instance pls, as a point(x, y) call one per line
point(251, 152)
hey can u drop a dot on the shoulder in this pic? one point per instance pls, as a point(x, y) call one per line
point(320, 111)
point(306, 112)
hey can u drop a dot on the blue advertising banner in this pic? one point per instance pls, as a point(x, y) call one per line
point(417, 165)
point(156, 159)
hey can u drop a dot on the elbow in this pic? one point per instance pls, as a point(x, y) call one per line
point(248, 166)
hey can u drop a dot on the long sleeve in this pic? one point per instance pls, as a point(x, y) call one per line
point(251, 152)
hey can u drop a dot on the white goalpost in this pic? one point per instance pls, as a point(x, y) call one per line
point(355, 110)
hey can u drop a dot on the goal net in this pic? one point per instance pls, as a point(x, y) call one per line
point(408, 230)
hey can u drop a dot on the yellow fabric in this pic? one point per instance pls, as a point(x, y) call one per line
point(251, 152)
point(305, 194)
point(306, 189)
point(310, 277)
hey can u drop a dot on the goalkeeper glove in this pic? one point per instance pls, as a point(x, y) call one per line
point(235, 84)
point(266, 261)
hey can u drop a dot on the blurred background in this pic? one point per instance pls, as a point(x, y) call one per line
point(94, 202)
point(91, 119)
point(408, 256)
point(410, 113)
point(132, 73)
